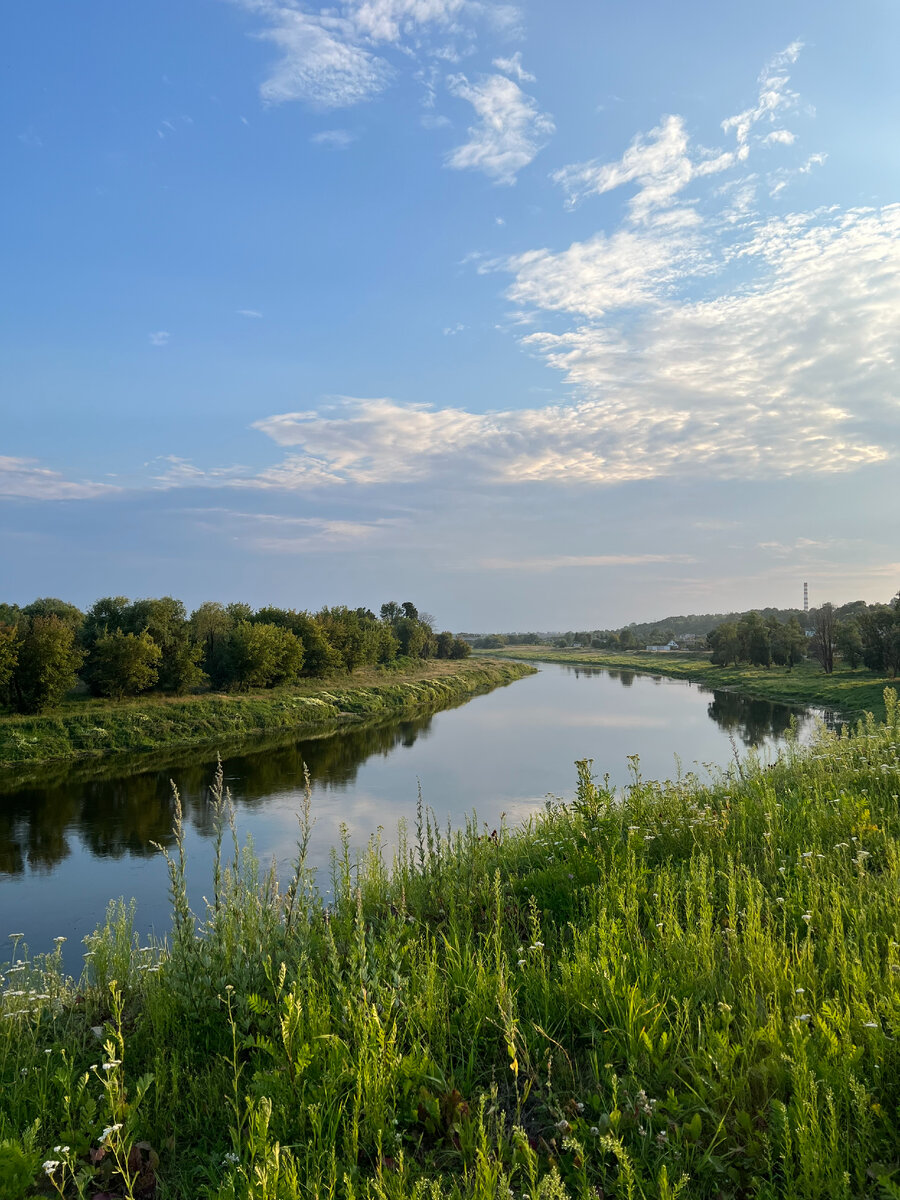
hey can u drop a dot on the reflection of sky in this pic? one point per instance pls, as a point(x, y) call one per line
point(499, 755)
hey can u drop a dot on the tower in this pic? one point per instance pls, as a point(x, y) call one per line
point(806, 597)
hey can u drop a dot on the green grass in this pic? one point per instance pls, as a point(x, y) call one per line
point(84, 728)
point(850, 691)
point(679, 989)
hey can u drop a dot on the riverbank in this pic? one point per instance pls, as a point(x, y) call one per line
point(850, 692)
point(93, 729)
point(678, 989)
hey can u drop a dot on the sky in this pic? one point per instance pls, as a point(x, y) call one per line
point(543, 316)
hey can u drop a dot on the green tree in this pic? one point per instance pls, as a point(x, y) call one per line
point(262, 656)
point(49, 606)
point(822, 644)
point(725, 643)
point(878, 629)
point(123, 664)
point(165, 619)
point(9, 660)
point(210, 625)
point(445, 641)
point(48, 664)
point(104, 616)
point(849, 642)
point(754, 636)
point(460, 648)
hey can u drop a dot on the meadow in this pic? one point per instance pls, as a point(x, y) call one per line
point(850, 691)
point(677, 989)
point(87, 728)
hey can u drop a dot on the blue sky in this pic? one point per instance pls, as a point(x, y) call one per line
point(543, 315)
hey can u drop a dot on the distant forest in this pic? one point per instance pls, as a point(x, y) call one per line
point(858, 633)
point(121, 648)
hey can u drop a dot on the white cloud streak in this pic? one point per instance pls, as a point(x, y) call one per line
point(510, 130)
point(25, 479)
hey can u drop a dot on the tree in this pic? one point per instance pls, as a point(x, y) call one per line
point(445, 641)
point(210, 626)
point(9, 660)
point(849, 643)
point(263, 656)
point(391, 612)
point(822, 645)
point(725, 643)
point(754, 637)
point(460, 648)
point(49, 606)
point(166, 621)
point(410, 611)
point(104, 616)
point(123, 664)
point(48, 664)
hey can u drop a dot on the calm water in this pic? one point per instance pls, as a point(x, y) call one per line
point(73, 838)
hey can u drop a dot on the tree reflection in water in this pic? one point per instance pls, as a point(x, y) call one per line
point(119, 807)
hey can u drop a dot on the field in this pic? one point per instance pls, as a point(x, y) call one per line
point(679, 989)
point(850, 692)
point(90, 728)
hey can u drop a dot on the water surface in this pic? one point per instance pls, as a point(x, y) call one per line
point(74, 836)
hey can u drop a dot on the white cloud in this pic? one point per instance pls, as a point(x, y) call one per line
point(658, 162)
point(781, 137)
point(513, 66)
point(253, 313)
point(773, 98)
point(389, 20)
point(24, 479)
point(320, 62)
point(556, 562)
point(160, 338)
point(328, 58)
point(337, 139)
point(510, 132)
point(276, 533)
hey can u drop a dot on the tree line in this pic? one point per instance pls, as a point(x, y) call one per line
point(121, 648)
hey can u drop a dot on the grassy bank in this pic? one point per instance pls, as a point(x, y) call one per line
point(677, 990)
point(849, 691)
point(93, 728)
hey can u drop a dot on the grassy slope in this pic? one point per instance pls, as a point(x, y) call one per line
point(684, 982)
point(91, 728)
point(851, 692)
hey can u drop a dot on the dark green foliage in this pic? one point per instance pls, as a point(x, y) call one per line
point(262, 656)
point(46, 666)
point(123, 664)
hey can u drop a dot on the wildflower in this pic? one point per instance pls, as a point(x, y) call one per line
point(60, 1149)
point(595, 1131)
point(807, 854)
point(521, 962)
point(805, 1017)
point(779, 899)
point(109, 1131)
point(807, 917)
point(112, 1064)
point(50, 1166)
point(580, 1106)
point(800, 991)
point(230, 1158)
point(60, 940)
point(537, 946)
point(870, 1024)
point(563, 1126)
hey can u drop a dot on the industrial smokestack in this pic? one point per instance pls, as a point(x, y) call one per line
point(806, 597)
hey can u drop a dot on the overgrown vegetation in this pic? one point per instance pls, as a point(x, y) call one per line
point(122, 648)
point(88, 729)
point(679, 990)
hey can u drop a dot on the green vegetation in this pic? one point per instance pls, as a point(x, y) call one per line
point(90, 728)
point(849, 691)
point(121, 648)
point(678, 990)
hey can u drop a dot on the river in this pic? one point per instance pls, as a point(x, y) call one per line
point(77, 835)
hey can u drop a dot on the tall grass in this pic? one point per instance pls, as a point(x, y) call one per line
point(678, 989)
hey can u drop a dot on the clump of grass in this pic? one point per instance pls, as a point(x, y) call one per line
point(679, 989)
